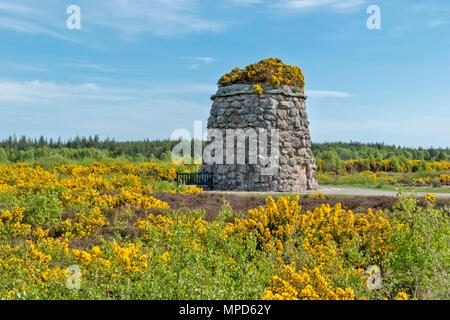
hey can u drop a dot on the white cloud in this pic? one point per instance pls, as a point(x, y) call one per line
point(22, 67)
point(245, 2)
point(425, 15)
point(66, 109)
point(315, 4)
point(418, 7)
point(92, 66)
point(30, 28)
point(167, 89)
point(327, 94)
point(55, 94)
point(158, 17)
point(203, 60)
point(130, 18)
point(17, 8)
point(438, 22)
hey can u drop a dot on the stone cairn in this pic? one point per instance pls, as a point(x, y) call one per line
point(283, 108)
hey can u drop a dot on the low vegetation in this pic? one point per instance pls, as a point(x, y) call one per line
point(101, 231)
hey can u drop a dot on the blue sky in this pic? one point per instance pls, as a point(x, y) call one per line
point(141, 69)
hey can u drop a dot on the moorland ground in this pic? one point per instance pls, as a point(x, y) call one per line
point(213, 203)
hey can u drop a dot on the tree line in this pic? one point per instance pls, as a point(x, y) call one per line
point(25, 149)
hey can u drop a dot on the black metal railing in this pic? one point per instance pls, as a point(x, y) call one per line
point(197, 179)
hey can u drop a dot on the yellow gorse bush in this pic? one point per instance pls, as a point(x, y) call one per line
point(340, 243)
point(130, 257)
point(85, 193)
point(429, 197)
point(269, 72)
point(191, 190)
point(100, 184)
point(308, 284)
point(318, 195)
point(82, 226)
point(272, 224)
point(445, 178)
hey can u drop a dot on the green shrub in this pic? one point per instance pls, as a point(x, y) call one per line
point(3, 156)
point(419, 262)
point(41, 209)
point(395, 164)
point(332, 162)
point(420, 167)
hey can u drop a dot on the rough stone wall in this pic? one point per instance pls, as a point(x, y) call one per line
point(238, 107)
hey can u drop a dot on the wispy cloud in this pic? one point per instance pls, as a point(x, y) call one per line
point(245, 2)
point(22, 67)
point(17, 8)
point(316, 4)
point(67, 109)
point(305, 5)
point(193, 67)
point(158, 17)
point(58, 94)
point(50, 93)
point(327, 94)
point(130, 18)
point(438, 22)
point(92, 66)
point(205, 59)
point(30, 28)
point(166, 89)
point(202, 60)
point(422, 15)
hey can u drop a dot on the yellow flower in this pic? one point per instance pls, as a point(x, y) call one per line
point(429, 197)
point(258, 89)
point(165, 257)
point(401, 296)
point(95, 251)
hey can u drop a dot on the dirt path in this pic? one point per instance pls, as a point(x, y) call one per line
point(342, 191)
point(370, 192)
